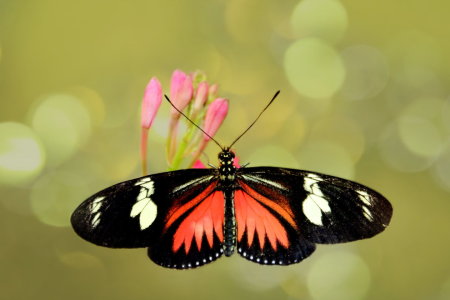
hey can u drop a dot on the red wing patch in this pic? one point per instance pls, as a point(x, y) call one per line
point(252, 215)
point(205, 217)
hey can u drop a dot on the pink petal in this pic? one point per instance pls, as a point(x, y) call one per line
point(198, 165)
point(181, 90)
point(236, 162)
point(201, 96)
point(151, 102)
point(215, 115)
point(213, 90)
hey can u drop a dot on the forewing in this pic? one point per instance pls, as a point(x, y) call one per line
point(154, 211)
point(327, 209)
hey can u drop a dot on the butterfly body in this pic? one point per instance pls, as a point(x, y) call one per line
point(227, 184)
point(273, 216)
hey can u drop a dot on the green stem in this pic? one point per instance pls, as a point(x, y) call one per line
point(172, 140)
point(181, 150)
point(199, 152)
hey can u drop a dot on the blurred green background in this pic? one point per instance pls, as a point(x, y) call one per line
point(365, 96)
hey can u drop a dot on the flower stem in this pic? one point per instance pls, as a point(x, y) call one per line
point(144, 138)
point(199, 152)
point(181, 150)
point(172, 140)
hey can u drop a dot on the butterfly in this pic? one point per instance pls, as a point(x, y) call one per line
point(269, 215)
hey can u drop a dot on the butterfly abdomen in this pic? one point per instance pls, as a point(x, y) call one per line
point(229, 228)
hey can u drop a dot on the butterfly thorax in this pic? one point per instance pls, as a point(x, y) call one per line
point(227, 171)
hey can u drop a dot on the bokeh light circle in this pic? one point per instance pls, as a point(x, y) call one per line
point(338, 276)
point(254, 278)
point(80, 260)
point(22, 155)
point(420, 136)
point(63, 124)
point(342, 131)
point(445, 113)
point(441, 169)
point(367, 72)
point(326, 157)
point(444, 293)
point(92, 101)
point(56, 195)
point(397, 155)
point(272, 155)
point(314, 68)
point(325, 19)
point(425, 107)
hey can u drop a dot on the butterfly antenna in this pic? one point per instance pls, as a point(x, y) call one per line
point(201, 129)
point(251, 125)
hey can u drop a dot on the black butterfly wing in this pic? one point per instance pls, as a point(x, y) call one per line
point(170, 213)
point(308, 208)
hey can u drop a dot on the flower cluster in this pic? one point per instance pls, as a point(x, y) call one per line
point(197, 99)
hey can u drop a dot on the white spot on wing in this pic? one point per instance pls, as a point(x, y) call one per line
point(312, 211)
point(143, 180)
point(320, 202)
point(148, 215)
point(95, 207)
point(310, 180)
point(142, 195)
point(96, 220)
point(144, 206)
point(367, 213)
point(149, 186)
point(139, 206)
point(315, 203)
point(365, 198)
point(96, 204)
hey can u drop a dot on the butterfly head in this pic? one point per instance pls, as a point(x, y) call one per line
point(227, 170)
point(226, 157)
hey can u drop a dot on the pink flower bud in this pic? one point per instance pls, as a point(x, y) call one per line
point(201, 96)
point(151, 102)
point(213, 90)
point(236, 162)
point(198, 165)
point(181, 90)
point(215, 115)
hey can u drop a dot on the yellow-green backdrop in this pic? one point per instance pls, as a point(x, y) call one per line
point(365, 96)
